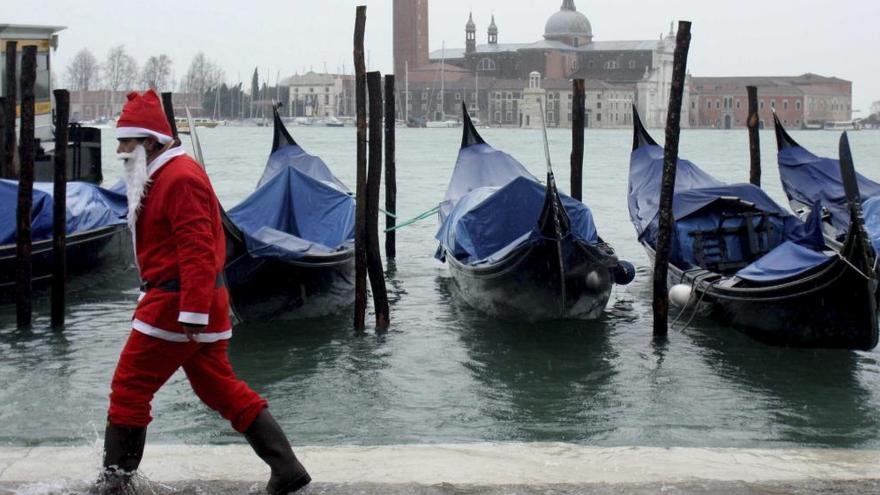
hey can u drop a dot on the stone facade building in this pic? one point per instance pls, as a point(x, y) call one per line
point(320, 95)
point(617, 72)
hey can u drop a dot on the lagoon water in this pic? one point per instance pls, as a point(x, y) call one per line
point(445, 374)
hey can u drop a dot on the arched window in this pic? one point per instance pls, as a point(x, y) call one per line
point(486, 64)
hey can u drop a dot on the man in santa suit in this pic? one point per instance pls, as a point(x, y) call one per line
point(182, 317)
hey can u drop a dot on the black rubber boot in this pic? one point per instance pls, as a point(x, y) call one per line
point(123, 450)
point(269, 442)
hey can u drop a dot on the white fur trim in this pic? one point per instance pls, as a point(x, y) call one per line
point(193, 318)
point(147, 329)
point(140, 132)
point(164, 158)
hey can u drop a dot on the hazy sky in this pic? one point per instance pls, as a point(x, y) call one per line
point(741, 37)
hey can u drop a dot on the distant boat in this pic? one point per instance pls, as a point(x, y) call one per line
point(290, 244)
point(333, 122)
point(98, 239)
point(516, 248)
point(750, 263)
point(442, 124)
point(183, 124)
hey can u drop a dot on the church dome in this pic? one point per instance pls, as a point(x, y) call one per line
point(567, 23)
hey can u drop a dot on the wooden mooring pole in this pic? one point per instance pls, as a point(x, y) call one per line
point(7, 153)
point(3, 125)
point(753, 124)
point(374, 179)
point(360, 229)
point(578, 112)
point(670, 161)
point(59, 209)
point(23, 289)
point(390, 169)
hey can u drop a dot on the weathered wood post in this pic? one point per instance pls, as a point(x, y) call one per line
point(670, 162)
point(59, 209)
point(23, 289)
point(7, 154)
point(168, 106)
point(3, 125)
point(390, 170)
point(578, 112)
point(360, 229)
point(374, 179)
point(753, 124)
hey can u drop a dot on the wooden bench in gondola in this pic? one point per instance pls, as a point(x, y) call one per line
point(752, 230)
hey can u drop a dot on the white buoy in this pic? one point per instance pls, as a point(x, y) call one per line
point(680, 294)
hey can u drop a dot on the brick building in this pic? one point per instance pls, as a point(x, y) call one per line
point(106, 105)
point(806, 101)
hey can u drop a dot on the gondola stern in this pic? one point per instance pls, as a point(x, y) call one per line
point(640, 134)
point(281, 135)
point(469, 134)
point(553, 222)
point(783, 139)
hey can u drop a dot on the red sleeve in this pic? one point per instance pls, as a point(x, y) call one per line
point(189, 209)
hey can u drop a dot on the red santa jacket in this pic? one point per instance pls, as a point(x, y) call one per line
point(181, 250)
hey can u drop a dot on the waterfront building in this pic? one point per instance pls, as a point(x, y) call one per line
point(105, 105)
point(806, 101)
point(319, 95)
point(618, 72)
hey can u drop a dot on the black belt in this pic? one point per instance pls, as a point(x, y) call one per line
point(173, 285)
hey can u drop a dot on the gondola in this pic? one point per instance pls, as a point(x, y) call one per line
point(516, 248)
point(98, 241)
point(749, 262)
point(810, 181)
point(290, 244)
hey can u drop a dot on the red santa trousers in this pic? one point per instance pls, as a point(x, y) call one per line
point(146, 363)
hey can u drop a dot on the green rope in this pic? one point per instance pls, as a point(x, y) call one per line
point(416, 219)
point(388, 213)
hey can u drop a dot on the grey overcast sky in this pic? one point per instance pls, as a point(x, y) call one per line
point(738, 37)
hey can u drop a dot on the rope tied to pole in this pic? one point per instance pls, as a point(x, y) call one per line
point(415, 219)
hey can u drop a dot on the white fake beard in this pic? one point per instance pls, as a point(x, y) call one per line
point(136, 181)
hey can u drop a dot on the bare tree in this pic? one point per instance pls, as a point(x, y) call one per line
point(120, 69)
point(82, 73)
point(120, 73)
point(203, 75)
point(875, 108)
point(157, 72)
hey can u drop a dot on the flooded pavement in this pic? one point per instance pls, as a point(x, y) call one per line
point(548, 468)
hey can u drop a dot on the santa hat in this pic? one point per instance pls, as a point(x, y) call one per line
point(142, 116)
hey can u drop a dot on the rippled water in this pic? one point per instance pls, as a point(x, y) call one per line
point(445, 373)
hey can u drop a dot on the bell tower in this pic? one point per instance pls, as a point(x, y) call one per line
point(470, 30)
point(410, 35)
point(493, 32)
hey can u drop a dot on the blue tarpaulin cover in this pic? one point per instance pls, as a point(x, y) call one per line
point(871, 212)
point(88, 207)
point(299, 209)
point(493, 205)
point(694, 209)
point(787, 260)
point(810, 179)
